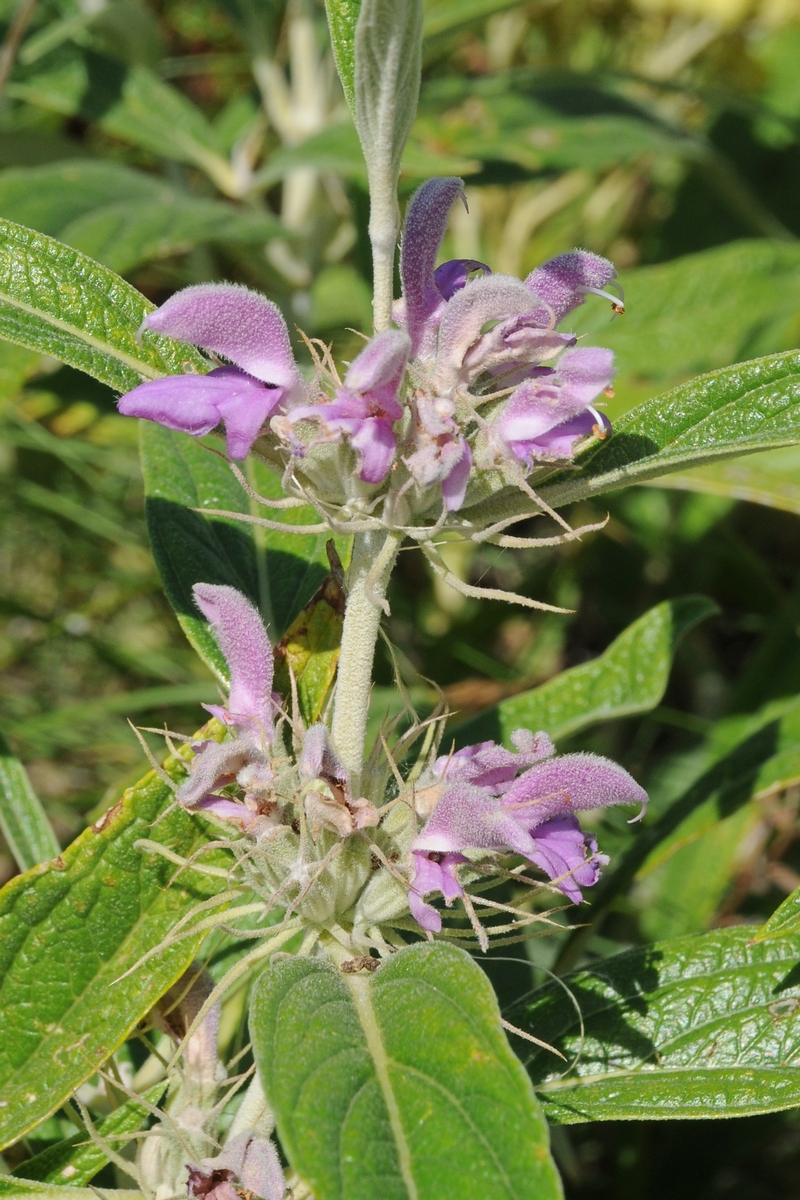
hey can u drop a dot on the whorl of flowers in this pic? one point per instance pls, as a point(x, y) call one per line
point(315, 847)
point(473, 392)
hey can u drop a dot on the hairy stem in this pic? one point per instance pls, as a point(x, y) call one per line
point(373, 558)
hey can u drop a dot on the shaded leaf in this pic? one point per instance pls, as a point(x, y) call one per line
point(771, 479)
point(629, 677)
point(278, 571)
point(702, 1026)
point(310, 649)
point(398, 1084)
point(119, 216)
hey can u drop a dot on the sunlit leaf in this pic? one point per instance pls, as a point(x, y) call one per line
point(399, 1083)
point(629, 677)
point(69, 931)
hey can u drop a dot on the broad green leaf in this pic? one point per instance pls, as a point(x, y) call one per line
point(310, 648)
point(686, 316)
point(77, 1159)
point(629, 677)
point(442, 16)
point(342, 17)
point(399, 1084)
point(23, 820)
point(684, 888)
point(752, 406)
point(771, 479)
point(757, 756)
point(57, 301)
point(702, 1026)
point(70, 929)
point(784, 922)
point(278, 571)
point(119, 216)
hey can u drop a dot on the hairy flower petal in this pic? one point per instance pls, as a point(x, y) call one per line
point(562, 281)
point(565, 852)
point(568, 784)
point(231, 320)
point(243, 640)
point(423, 230)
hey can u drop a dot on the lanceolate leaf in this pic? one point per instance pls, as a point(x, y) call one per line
point(702, 1026)
point(771, 479)
point(310, 648)
point(342, 17)
point(23, 821)
point(399, 1084)
point(750, 406)
point(278, 571)
point(784, 922)
point(57, 301)
point(69, 930)
point(629, 677)
point(77, 1159)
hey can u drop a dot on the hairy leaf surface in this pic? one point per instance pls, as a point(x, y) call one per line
point(399, 1084)
point(71, 928)
point(702, 1026)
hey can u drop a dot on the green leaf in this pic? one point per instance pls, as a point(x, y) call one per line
point(119, 216)
point(278, 571)
point(771, 479)
point(77, 1159)
point(398, 1084)
point(134, 105)
point(686, 316)
point(629, 677)
point(310, 647)
point(71, 928)
point(57, 301)
point(23, 820)
point(752, 406)
point(757, 756)
point(784, 922)
point(702, 1026)
point(342, 17)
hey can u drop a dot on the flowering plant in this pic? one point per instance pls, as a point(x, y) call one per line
point(373, 862)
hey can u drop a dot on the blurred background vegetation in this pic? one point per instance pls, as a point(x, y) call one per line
point(186, 140)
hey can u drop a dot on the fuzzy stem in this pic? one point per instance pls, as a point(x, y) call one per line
point(373, 558)
point(384, 228)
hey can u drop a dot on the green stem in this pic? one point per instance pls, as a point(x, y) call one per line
point(374, 554)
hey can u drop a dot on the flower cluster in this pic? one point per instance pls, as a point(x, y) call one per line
point(472, 389)
point(332, 855)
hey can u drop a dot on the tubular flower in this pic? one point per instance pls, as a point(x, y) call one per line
point(246, 328)
point(475, 379)
point(244, 642)
point(487, 805)
point(366, 407)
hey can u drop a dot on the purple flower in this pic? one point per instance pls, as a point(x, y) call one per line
point(243, 640)
point(442, 454)
point(250, 1159)
point(490, 807)
point(425, 290)
point(246, 328)
point(366, 407)
point(547, 415)
point(564, 282)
